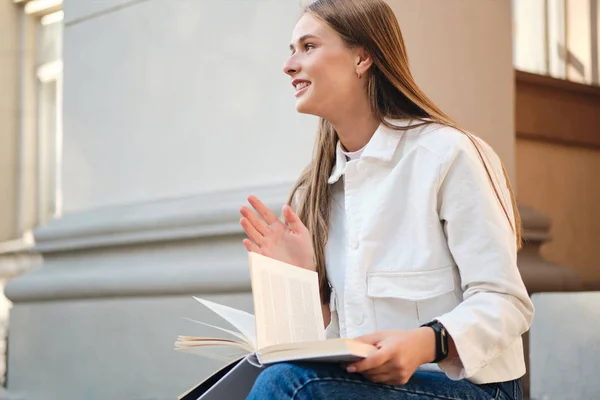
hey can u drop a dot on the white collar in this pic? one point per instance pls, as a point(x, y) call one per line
point(382, 146)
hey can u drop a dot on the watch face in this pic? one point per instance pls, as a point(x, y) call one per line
point(444, 341)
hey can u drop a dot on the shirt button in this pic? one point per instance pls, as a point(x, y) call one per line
point(354, 244)
point(360, 319)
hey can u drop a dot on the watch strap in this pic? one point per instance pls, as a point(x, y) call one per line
point(441, 340)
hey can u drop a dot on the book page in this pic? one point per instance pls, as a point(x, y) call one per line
point(243, 321)
point(215, 352)
point(332, 350)
point(236, 334)
point(287, 305)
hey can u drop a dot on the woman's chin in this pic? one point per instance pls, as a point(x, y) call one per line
point(304, 107)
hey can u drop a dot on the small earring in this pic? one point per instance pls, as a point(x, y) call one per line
point(359, 76)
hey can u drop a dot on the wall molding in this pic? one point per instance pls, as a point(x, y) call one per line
point(178, 246)
point(228, 275)
point(198, 216)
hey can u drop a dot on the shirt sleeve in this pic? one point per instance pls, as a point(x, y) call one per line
point(496, 309)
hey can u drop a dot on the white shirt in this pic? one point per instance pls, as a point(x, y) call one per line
point(417, 233)
point(352, 155)
point(336, 248)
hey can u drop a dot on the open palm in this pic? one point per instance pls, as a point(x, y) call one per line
point(267, 235)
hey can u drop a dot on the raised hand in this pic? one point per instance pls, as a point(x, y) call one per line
point(268, 236)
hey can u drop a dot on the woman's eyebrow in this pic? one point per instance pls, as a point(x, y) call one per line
point(302, 39)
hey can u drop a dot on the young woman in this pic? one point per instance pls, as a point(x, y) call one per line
point(409, 221)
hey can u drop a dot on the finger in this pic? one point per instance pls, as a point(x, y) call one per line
point(251, 247)
point(258, 223)
point(372, 338)
point(375, 360)
point(386, 368)
point(266, 214)
point(252, 233)
point(292, 219)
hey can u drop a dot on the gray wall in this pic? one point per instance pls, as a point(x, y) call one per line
point(167, 98)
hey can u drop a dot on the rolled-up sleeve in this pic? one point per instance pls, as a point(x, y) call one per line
point(496, 309)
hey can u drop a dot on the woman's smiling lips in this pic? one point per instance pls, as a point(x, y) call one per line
point(300, 85)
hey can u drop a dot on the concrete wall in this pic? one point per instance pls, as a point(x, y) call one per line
point(178, 97)
point(567, 371)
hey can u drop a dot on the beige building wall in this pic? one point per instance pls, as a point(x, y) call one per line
point(563, 182)
point(9, 100)
point(460, 53)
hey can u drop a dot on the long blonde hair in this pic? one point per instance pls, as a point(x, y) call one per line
point(393, 94)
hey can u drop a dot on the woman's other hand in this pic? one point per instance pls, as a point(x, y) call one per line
point(268, 236)
point(398, 355)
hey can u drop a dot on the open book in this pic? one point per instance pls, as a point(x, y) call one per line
point(287, 326)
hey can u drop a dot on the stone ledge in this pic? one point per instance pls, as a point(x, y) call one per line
point(205, 215)
point(201, 276)
point(169, 247)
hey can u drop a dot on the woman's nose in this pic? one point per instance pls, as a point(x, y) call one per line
point(291, 67)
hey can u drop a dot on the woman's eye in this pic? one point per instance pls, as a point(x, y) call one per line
point(308, 46)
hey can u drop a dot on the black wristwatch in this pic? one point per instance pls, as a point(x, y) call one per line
point(441, 340)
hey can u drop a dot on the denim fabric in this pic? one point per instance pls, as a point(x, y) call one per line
point(313, 381)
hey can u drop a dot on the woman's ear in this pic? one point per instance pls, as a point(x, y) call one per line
point(363, 61)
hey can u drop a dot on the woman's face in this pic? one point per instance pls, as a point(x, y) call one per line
point(322, 68)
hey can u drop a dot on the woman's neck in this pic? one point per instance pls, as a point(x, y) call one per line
point(355, 129)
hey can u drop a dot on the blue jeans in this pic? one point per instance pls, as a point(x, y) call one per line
point(313, 381)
